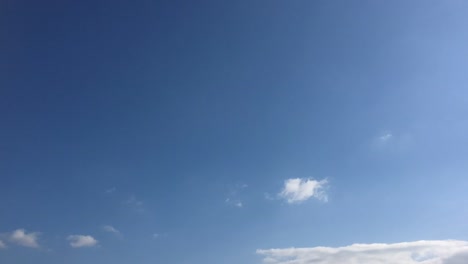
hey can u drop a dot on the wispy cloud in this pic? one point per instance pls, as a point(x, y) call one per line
point(135, 204)
point(234, 197)
point(383, 140)
point(269, 197)
point(419, 252)
point(78, 241)
point(110, 190)
point(111, 229)
point(298, 190)
point(390, 141)
point(233, 202)
point(2, 245)
point(159, 235)
point(22, 238)
point(386, 137)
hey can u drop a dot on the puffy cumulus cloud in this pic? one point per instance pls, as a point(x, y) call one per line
point(298, 190)
point(22, 238)
point(77, 241)
point(419, 252)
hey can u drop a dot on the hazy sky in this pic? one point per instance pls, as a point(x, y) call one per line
point(234, 132)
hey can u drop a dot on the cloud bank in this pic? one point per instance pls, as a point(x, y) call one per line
point(298, 190)
point(21, 238)
point(419, 252)
point(77, 241)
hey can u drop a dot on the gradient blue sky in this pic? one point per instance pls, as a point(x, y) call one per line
point(185, 118)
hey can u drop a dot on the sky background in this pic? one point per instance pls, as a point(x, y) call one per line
point(167, 131)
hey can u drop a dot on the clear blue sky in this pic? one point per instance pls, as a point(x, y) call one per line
point(166, 131)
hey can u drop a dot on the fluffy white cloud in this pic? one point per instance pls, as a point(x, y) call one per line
point(298, 190)
point(20, 237)
point(111, 229)
point(77, 241)
point(419, 252)
point(2, 245)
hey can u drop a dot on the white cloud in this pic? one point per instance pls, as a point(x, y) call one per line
point(20, 237)
point(77, 241)
point(2, 245)
point(111, 229)
point(298, 190)
point(419, 252)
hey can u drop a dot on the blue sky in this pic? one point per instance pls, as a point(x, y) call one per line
point(219, 131)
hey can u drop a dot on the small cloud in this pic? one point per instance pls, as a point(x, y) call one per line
point(2, 245)
point(298, 190)
point(22, 238)
point(235, 194)
point(137, 205)
point(385, 137)
point(233, 202)
point(159, 235)
point(429, 252)
point(111, 229)
point(382, 140)
point(78, 241)
point(269, 197)
point(110, 190)
point(392, 141)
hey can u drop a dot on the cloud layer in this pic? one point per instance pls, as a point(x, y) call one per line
point(22, 238)
point(419, 252)
point(298, 190)
point(77, 241)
